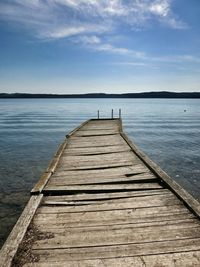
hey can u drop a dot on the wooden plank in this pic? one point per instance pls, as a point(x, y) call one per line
point(96, 133)
point(136, 215)
point(109, 172)
point(64, 162)
point(96, 166)
point(162, 199)
point(13, 241)
point(67, 239)
point(100, 128)
point(108, 163)
point(107, 121)
point(141, 177)
point(108, 140)
point(96, 141)
point(181, 218)
point(96, 150)
point(84, 144)
point(128, 155)
point(142, 202)
point(107, 196)
point(42, 223)
point(136, 227)
point(116, 137)
point(97, 160)
point(176, 259)
point(119, 251)
point(103, 187)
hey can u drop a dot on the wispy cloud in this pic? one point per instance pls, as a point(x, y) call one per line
point(86, 22)
point(65, 31)
point(62, 18)
point(95, 43)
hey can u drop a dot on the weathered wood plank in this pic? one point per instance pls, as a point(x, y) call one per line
point(176, 259)
point(96, 141)
point(92, 127)
point(142, 202)
point(111, 215)
point(96, 133)
point(43, 223)
point(119, 251)
point(96, 150)
point(102, 187)
point(181, 218)
point(99, 128)
point(109, 172)
point(141, 177)
point(100, 162)
point(12, 243)
point(96, 144)
point(116, 137)
point(111, 162)
point(96, 166)
point(128, 155)
point(67, 239)
point(107, 196)
point(137, 228)
point(120, 197)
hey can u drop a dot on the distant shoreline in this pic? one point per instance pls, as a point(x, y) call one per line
point(163, 94)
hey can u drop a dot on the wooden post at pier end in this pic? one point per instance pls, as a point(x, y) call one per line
point(120, 114)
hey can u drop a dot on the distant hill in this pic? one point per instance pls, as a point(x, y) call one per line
point(162, 94)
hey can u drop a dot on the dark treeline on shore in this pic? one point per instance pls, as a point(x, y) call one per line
point(162, 94)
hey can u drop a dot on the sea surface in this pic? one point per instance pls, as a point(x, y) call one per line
point(167, 130)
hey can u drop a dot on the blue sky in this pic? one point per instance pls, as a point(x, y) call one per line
point(116, 46)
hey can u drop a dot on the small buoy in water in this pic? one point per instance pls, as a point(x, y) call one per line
point(184, 110)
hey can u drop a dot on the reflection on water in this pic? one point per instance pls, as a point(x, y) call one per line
point(32, 129)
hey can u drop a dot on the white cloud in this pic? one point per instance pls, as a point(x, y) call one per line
point(88, 20)
point(133, 64)
point(161, 8)
point(62, 13)
point(89, 40)
point(95, 43)
point(119, 50)
point(66, 32)
point(176, 24)
point(112, 49)
point(74, 30)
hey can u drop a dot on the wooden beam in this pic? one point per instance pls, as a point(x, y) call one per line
point(12, 243)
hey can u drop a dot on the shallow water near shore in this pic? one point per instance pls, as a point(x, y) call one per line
point(167, 130)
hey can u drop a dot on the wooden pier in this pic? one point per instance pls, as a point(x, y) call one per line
point(102, 202)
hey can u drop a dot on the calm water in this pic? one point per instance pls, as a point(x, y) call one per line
point(32, 129)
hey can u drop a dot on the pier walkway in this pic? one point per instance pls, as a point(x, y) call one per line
point(102, 202)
